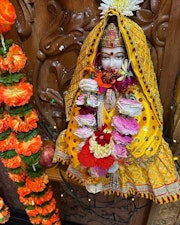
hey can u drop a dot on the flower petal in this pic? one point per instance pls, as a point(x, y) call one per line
point(120, 151)
point(84, 132)
point(86, 120)
point(89, 85)
point(125, 126)
point(121, 139)
point(18, 94)
point(129, 107)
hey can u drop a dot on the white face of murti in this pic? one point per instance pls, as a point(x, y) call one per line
point(112, 58)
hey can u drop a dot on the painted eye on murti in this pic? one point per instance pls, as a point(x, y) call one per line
point(105, 57)
point(120, 56)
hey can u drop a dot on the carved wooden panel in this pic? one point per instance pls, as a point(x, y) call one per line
point(51, 33)
point(154, 19)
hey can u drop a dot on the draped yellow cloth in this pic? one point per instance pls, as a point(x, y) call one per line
point(150, 171)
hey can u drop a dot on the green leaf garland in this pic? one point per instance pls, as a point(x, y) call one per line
point(5, 134)
point(26, 136)
point(8, 154)
point(21, 110)
point(31, 160)
point(8, 43)
point(10, 79)
point(35, 171)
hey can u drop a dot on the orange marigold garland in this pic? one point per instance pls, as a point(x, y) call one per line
point(4, 212)
point(14, 61)
point(7, 15)
point(16, 95)
point(20, 143)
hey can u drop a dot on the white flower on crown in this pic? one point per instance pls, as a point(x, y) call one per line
point(126, 7)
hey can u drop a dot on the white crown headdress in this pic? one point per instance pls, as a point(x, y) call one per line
point(126, 7)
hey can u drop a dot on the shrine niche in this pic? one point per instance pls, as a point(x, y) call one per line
point(51, 33)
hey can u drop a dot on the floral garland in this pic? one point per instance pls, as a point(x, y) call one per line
point(103, 145)
point(4, 212)
point(20, 143)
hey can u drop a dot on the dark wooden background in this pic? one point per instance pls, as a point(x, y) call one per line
point(43, 28)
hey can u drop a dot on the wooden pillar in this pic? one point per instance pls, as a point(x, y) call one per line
point(171, 61)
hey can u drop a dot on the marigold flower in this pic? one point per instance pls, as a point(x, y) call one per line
point(32, 212)
point(23, 191)
point(101, 83)
point(27, 148)
point(36, 220)
point(37, 184)
point(1, 203)
point(45, 198)
point(26, 200)
point(54, 219)
point(15, 59)
point(7, 15)
point(12, 163)
point(48, 208)
point(17, 177)
point(1, 98)
point(26, 124)
point(16, 95)
point(4, 122)
point(4, 212)
point(3, 64)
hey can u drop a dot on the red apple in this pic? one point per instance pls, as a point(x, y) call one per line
point(47, 155)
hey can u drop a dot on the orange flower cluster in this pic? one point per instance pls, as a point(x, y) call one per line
point(40, 208)
point(12, 163)
point(8, 143)
point(4, 122)
point(45, 198)
point(37, 184)
point(7, 15)
point(14, 61)
point(16, 95)
point(18, 178)
point(43, 211)
point(4, 212)
point(29, 122)
point(46, 221)
point(20, 143)
point(34, 200)
point(27, 148)
point(18, 124)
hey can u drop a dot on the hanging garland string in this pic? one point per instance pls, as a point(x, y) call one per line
point(20, 142)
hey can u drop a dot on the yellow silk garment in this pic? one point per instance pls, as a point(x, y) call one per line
point(150, 171)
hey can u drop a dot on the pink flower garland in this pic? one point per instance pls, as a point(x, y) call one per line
point(100, 149)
